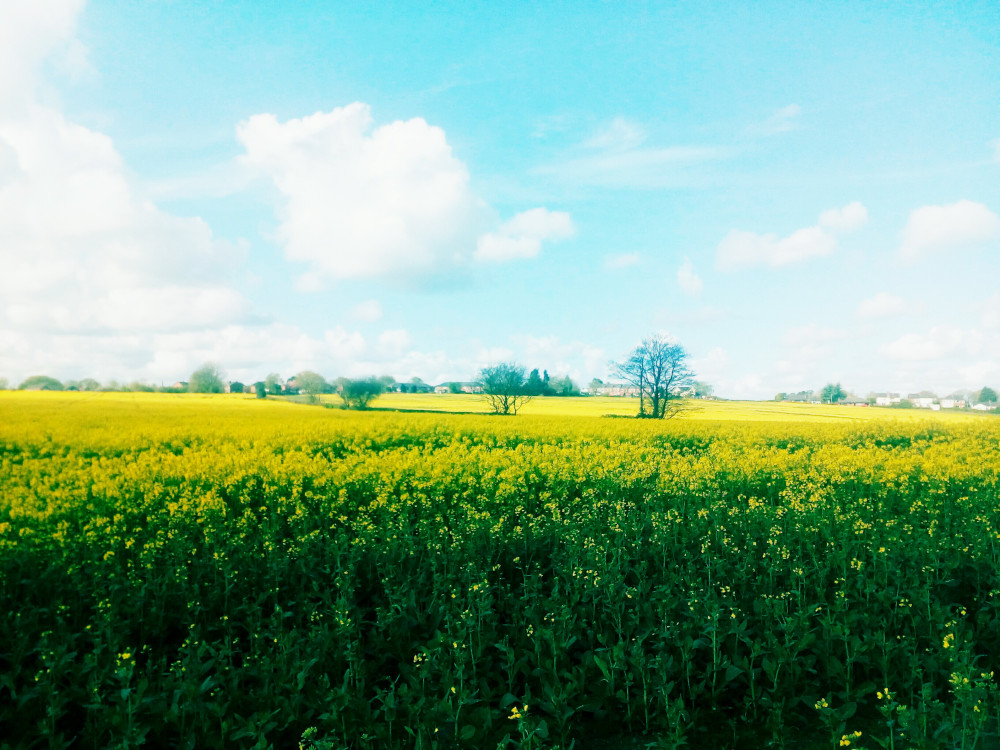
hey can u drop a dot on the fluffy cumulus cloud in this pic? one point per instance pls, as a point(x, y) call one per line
point(361, 201)
point(31, 33)
point(956, 226)
point(689, 281)
point(84, 252)
point(741, 249)
point(881, 305)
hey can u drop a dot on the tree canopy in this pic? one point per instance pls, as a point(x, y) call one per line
point(832, 393)
point(987, 396)
point(358, 394)
point(311, 383)
point(40, 383)
point(206, 379)
point(272, 383)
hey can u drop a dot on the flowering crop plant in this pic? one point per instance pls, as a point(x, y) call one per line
point(191, 571)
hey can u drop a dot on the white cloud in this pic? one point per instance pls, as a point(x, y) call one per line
point(368, 311)
point(955, 226)
point(388, 201)
point(361, 202)
point(578, 359)
point(83, 250)
point(394, 342)
point(809, 335)
point(690, 283)
point(633, 167)
point(882, 305)
point(620, 134)
point(712, 367)
point(620, 260)
point(782, 121)
point(940, 342)
point(850, 218)
point(614, 157)
point(991, 311)
point(741, 249)
point(31, 33)
point(522, 236)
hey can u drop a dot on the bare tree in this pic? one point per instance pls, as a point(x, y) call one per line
point(658, 369)
point(504, 387)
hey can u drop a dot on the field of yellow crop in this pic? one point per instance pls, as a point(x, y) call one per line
point(701, 410)
point(191, 571)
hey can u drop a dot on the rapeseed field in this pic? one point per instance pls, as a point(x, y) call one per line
point(184, 571)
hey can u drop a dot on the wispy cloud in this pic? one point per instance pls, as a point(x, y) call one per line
point(781, 121)
point(638, 167)
point(620, 260)
point(615, 157)
point(619, 135)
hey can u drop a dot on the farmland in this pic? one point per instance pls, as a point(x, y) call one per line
point(220, 571)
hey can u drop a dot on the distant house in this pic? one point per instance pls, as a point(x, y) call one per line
point(181, 385)
point(887, 399)
point(800, 397)
point(616, 389)
point(853, 401)
point(924, 400)
point(443, 388)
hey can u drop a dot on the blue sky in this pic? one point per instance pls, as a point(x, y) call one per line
point(799, 193)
